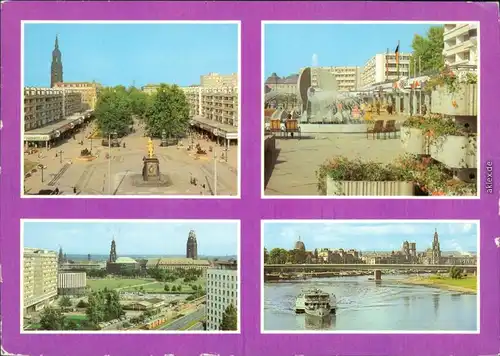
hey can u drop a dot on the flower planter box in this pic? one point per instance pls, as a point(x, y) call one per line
point(368, 188)
point(413, 141)
point(462, 102)
point(454, 151)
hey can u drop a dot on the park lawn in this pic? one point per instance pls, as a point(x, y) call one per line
point(467, 282)
point(76, 317)
point(159, 286)
point(114, 283)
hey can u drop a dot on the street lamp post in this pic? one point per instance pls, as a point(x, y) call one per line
point(60, 156)
point(41, 167)
point(109, 161)
point(215, 172)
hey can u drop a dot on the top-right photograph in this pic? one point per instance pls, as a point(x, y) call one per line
point(372, 109)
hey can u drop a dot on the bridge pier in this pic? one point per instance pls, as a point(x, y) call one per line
point(377, 275)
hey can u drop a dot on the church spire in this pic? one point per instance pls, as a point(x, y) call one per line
point(56, 69)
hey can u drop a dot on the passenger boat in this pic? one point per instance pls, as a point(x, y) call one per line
point(315, 302)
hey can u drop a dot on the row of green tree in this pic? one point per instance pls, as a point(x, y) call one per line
point(171, 275)
point(102, 306)
point(165, 111)
point(282, 256)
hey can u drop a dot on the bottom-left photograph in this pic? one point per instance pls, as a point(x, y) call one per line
point(105, 276)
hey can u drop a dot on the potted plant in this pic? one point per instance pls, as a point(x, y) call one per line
point(454, 95)
point(413, 137)
point(342, 176)
point(452, 144)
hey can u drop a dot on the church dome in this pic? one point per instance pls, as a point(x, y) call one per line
point(192, 236)
point(299, 245)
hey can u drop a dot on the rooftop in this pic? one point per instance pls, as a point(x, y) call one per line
point(176, 261)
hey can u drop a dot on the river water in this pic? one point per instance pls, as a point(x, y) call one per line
point(364, 305)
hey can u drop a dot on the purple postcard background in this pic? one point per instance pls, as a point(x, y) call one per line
point(250, 209)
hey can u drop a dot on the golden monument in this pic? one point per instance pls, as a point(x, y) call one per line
point(151, 164)
point(151, 149)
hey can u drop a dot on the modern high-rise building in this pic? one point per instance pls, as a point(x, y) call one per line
point(383, 67)
point(222, 290)
point(56, 68)
point(44, 106)
point(460, 45)
point(39, 278)
point(214, 110)
point(192, 246)
point(216, 80)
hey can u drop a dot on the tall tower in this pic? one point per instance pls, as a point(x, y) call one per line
point(436, 249)
point(60, 258)
point(56, 68)
point(192, 246)
point(112, 252)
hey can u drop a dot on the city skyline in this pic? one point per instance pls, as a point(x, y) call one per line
point(332, 44)
point(130, 54)
point(81, 238)
point(371, 236)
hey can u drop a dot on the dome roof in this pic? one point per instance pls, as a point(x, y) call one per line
point(299, 245)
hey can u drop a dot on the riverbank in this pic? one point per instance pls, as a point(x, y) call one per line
point(463, 285)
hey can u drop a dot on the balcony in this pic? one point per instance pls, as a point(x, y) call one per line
point(458, 30)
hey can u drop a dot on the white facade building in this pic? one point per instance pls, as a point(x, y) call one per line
point(348, 77)
point(460, 45)
point(222, 290)
point(39, 278)
point(382, 67)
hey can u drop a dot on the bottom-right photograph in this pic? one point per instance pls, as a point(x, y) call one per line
point(366, 276)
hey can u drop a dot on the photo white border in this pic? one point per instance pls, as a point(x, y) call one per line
point(131, 332)
point(357, 221)
point(395, 22)
point(139, 22)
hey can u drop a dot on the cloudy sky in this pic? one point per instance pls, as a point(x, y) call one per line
point(371, 235)
point(155, 237)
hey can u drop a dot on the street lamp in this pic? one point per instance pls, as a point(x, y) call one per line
point(109, 159)
point(60, 156)
point(41, 167)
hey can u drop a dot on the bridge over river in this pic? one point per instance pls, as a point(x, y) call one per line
point(305, 268)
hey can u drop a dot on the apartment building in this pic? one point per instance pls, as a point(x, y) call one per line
point(383, 67)
point(222, 290)
point(460, 45)
point(89, 92)
point(218, 105)
point(44, 106)
point(39, 278)
point(348, 77)
point(216, 80)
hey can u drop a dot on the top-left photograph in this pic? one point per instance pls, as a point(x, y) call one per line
point(130, 109)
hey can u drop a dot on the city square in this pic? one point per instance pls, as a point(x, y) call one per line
point(397, 117)
point(66, 288)
point(108, 135)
